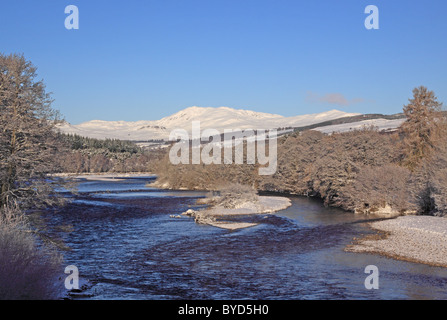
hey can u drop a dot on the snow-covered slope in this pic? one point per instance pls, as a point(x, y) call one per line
point(123, 130)
point(380, 124)
point(210, 118)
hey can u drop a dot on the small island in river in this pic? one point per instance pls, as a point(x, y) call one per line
point(236, 200)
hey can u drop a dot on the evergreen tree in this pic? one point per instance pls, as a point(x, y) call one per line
point(422, 126)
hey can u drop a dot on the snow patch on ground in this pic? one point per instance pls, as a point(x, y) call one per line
point(380, 124)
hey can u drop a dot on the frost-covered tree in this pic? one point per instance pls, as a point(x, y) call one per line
point(28, 141)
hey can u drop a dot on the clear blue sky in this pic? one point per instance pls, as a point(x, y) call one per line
point(146, 59)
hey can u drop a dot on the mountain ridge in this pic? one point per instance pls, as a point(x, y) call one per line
point(210, 118)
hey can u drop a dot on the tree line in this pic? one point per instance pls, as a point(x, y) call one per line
point(90, 155)
point(77, 142)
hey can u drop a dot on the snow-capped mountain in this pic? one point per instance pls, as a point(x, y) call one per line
point(210, 118)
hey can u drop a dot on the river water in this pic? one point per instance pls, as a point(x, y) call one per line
point(126, 245)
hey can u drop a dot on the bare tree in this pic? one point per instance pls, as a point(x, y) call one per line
point(28, 141)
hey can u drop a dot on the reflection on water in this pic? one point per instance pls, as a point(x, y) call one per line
point(126, 246)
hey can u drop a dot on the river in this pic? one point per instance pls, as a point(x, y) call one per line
point(126, 245)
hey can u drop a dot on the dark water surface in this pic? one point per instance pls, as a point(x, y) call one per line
point(126, 246)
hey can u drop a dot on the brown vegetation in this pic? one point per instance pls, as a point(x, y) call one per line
point(376, 188)
point(321, 165)
point(233, 195)
point(204, 177)
point(430, 182)
point(102, 161)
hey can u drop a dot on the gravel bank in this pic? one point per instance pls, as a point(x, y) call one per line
point(421, 239)
point(216, 215)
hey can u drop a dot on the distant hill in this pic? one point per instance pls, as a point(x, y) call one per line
point(210, 118)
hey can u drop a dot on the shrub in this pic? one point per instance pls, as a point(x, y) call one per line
point(27, 271)
point(234, 195)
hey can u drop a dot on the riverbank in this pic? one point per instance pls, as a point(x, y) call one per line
point(106, 176)
point(218, 216)
point(420, 239)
